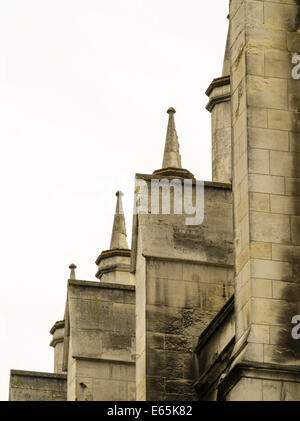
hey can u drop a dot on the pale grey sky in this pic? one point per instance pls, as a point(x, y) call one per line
point(84, 89)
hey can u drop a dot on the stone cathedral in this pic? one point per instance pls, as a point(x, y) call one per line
point(202, 312)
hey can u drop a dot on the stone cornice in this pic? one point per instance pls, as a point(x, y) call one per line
point(223, 96)
point(117, 361)
point(190, 261)
point(112, 268)
point(57, 325)
point(58, 376)
point(265, 371)
point(173, 172)
point(104, 285)
point(216, 83)
point(217, 185)
point(111, 253)
point(54, 342)
point(207, 184)
point(217, 100)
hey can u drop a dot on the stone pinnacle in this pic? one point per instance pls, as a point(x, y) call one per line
point(72, 274)
point(118, 236)
point(172, 158)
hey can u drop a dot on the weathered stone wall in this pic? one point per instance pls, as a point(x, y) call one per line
point(255, 389)
point(250, 381)
point(101, 361)
point(34, 386)
point(184, 276)
point(181, 299)
point(169, 236)
point(140, 274)
point(213, 352)
point(265, 120)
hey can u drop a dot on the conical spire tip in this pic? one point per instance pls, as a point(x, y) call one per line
point(171, 110)
point(118, 237)
point(72, 268)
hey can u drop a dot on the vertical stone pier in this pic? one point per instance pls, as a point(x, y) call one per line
point(264, 36)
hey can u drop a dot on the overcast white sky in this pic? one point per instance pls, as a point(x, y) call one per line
point(84, 89)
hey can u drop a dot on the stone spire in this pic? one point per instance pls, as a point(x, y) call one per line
point(118, 236)
point(72, 267)
point(171, 165)
point(114, 264)
point(172, 158)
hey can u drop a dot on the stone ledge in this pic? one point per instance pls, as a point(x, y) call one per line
point(217, 100)
point(58, 376)
point(57, 325)
point(112, 268)
point(104, 285)
point(173, 172)
point(208, 184)
point(217, 185)
point(110, 360)
point(264, 371)
point(216, 83)
point(54, 342)
point(111, 253)
point(168, 173)
point(190, 261)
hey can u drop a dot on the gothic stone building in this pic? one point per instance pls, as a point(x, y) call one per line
point(202, 312)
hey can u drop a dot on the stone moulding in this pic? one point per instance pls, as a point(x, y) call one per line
point(265, 371)
point(91, 284)
point(223, 97)
point(111, 253)
point(190, 261)
point(216, 83)
point(56, 341)
point(112, 268)
point(217, 100)
point(173, 172)
point(110, 360)
point(58, 376)
point(58, 325)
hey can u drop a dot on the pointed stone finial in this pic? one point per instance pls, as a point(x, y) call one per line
point(118, 236)
point(172, 158)
point(72, 267)
point(171, 110)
